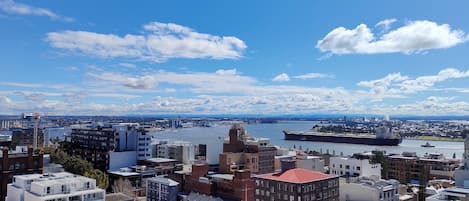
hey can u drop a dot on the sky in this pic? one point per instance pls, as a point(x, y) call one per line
point(234, 57)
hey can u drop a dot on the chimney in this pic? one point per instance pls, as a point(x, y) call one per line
point(287, 164)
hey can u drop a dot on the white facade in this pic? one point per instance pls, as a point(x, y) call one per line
point(354, 167)
point(178, 150)
point(314, 163)
point(131, 138)
point(54, 187)
point(364, 189)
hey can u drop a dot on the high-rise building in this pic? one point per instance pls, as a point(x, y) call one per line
point(296, 184)
point(58, 186)
point(110, 147)
point(244, 152)
point(162, 189)
point(20, 161)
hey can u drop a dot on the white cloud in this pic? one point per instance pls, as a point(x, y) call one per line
point(281, 78)
point(426, 82)
point(413, 37)
point(395, 85)
point(385, 24)
point(158, 43)
point(128, 65)
point(13, 7)
point(312, 76)
point(228, 91)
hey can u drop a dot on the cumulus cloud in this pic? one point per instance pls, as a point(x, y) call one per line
point(397, 85)
point(426, 82)
point(283, 77)
point(13, 7)
point(312, 76)
point(229, 91)
point(158, 43)
point(413, 37)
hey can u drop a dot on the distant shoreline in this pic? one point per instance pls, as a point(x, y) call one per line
point(432, 138)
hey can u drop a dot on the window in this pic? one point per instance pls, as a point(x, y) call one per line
point(48, 190)
point(358, 167)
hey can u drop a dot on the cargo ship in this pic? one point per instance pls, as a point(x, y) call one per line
point(368, 139)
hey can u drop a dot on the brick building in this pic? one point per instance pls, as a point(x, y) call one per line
point(236, 186)
point(16, 163)
point(409, 168)
point(296, 184)
point(244, 152)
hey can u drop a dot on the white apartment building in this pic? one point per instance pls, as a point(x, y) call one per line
point(367, 189)
point(344, 166)
point(62, 186)
point(130, 137)
point(181, 151)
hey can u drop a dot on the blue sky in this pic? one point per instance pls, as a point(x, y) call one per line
point(242, 57)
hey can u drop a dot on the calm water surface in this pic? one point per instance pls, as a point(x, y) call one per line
point(213, 137)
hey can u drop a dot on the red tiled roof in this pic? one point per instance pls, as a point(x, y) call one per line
point(297, 175)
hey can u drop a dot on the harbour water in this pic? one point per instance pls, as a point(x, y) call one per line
point(213, 137)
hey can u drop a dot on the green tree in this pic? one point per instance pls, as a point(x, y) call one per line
point(47, 150)
point(102, 179)
point(77, 165)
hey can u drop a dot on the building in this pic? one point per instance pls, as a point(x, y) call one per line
point(199, 197)
point(162, 166)
point(369, 189)
point(461, 189)
point(296, 184)
point(59, 186)
point(118, 197)
point(5, 140)
point(25, 137)
point(110, 147)
point(184, 152)
point(302, 160)
point(136, 175)
point(56, 133)
point(349, 166)
point(244, 152)
point(409, 168)
point(162, 189)
point(21, 161)
point(236, 186)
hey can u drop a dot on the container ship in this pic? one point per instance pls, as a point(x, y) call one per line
point(383, 137)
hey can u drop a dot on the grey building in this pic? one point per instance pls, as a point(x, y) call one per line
point(162, 189)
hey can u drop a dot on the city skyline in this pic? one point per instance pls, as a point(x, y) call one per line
point(267, 58)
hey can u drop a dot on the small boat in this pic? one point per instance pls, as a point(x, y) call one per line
point(427, 145)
